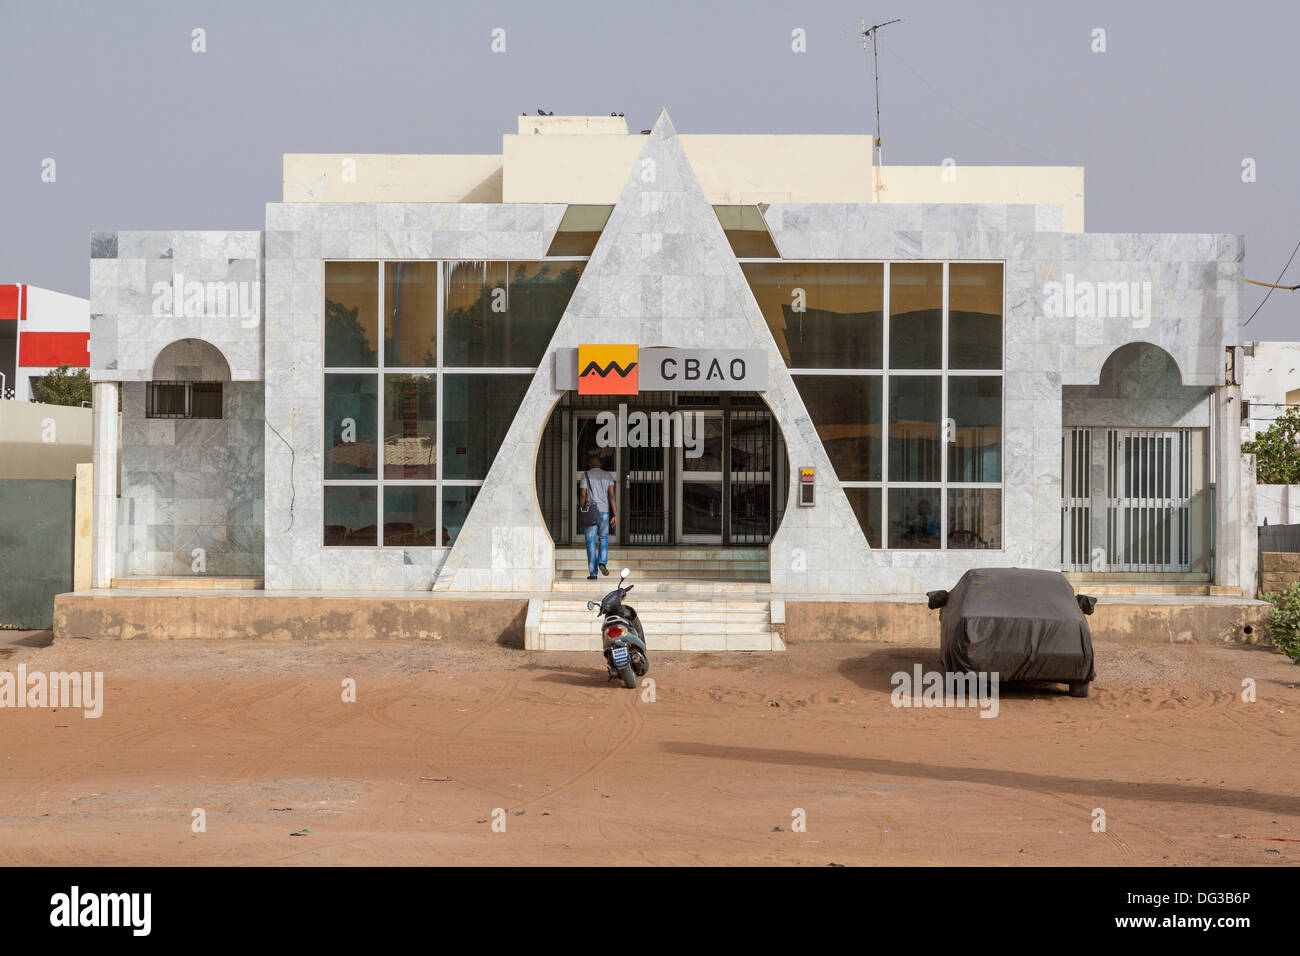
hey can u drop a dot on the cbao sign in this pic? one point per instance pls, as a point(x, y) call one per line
point(611, 369)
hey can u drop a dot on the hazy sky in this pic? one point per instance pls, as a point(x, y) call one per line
point(148, 135)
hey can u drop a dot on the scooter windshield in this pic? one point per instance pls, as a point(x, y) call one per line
point(612, 601)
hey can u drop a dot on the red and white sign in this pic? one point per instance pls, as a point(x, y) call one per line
point(48, 329)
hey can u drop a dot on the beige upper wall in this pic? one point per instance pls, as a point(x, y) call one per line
point(569, 159)
point(43, 441)
point(388, 177)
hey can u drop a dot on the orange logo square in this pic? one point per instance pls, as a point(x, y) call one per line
point(607, 370)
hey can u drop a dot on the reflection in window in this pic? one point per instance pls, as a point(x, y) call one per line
point(914, 517)
point(351, 314)
point(747, 232)
point(503, 314)
point(708, 433)
point(411, 426)
point(975, 315)
point(456, 503)
point(702, 508)
point(350, 515)
point(351, 424)
point(477, 412)
point(841, 327)
point(383, 426)
point(975, 518)
point(410, 516)
point(579, 230)
point(975, 406)
point(846, 411)
point(822, 315)
point(411, 314)
point(866, 505)
point(915, 315)
point(915, 403)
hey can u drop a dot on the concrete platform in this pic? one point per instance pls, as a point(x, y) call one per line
point(501, 618)
point(191, 582)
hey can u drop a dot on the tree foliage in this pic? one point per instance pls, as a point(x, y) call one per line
point(63, 386)
point(1277, 450)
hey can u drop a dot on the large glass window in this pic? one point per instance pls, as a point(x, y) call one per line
point(975, 315)
point(915, 315)
point(411, 314)
point(351, 419)
point(846, 410)
point(350, 515)
point(823, 315)
point(915, 428)
point(478, 410)
point(351, 315)
point(900, 367)
point(413, 418)
point(503, 314)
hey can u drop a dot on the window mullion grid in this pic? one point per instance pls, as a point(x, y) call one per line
point(439, 351)
point(381, 424)
point(884, 415)
point(944, 415)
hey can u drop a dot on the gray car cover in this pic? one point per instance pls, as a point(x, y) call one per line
point(1018, 623)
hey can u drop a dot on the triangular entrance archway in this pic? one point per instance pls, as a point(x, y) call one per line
point(662, 274)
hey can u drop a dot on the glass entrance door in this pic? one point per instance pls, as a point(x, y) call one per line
point(700, 504)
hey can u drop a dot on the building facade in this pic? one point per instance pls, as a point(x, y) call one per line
point(850, 396)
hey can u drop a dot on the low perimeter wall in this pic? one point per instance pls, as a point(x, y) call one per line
point(276, 617)
point(126, 616)
point(1225, 621)
point(1278, 570)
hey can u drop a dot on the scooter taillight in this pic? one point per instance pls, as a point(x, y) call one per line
point(614, 631)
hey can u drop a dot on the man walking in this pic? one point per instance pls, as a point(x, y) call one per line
point(597, 486)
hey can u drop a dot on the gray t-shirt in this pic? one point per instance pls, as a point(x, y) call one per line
point(597, 482)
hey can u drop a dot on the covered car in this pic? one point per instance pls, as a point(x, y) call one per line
point(1021, 624)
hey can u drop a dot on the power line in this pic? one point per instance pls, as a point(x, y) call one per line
point(1270, 291)
point(953, 106)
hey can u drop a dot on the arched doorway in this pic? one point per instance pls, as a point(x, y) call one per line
point(691, 468)
point(1136, 475)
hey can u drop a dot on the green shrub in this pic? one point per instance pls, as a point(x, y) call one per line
point(1284, 622)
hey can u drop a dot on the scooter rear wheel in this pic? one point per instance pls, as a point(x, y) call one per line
point(628, 675)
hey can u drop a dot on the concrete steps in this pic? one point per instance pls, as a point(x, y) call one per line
point(694, 570)
point(576, 582)
point(650, 561)
point(730, 624)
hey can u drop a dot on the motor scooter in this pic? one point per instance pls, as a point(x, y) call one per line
point(622, 639)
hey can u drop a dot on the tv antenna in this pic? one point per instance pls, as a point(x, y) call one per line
point(877, 151)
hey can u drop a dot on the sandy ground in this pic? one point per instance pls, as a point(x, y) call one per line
point(443, 740)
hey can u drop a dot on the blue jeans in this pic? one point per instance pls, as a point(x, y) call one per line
point(597, 554)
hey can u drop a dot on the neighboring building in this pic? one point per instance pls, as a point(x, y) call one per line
point(1270, 382)
point(39, 331)
point(394, 385)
